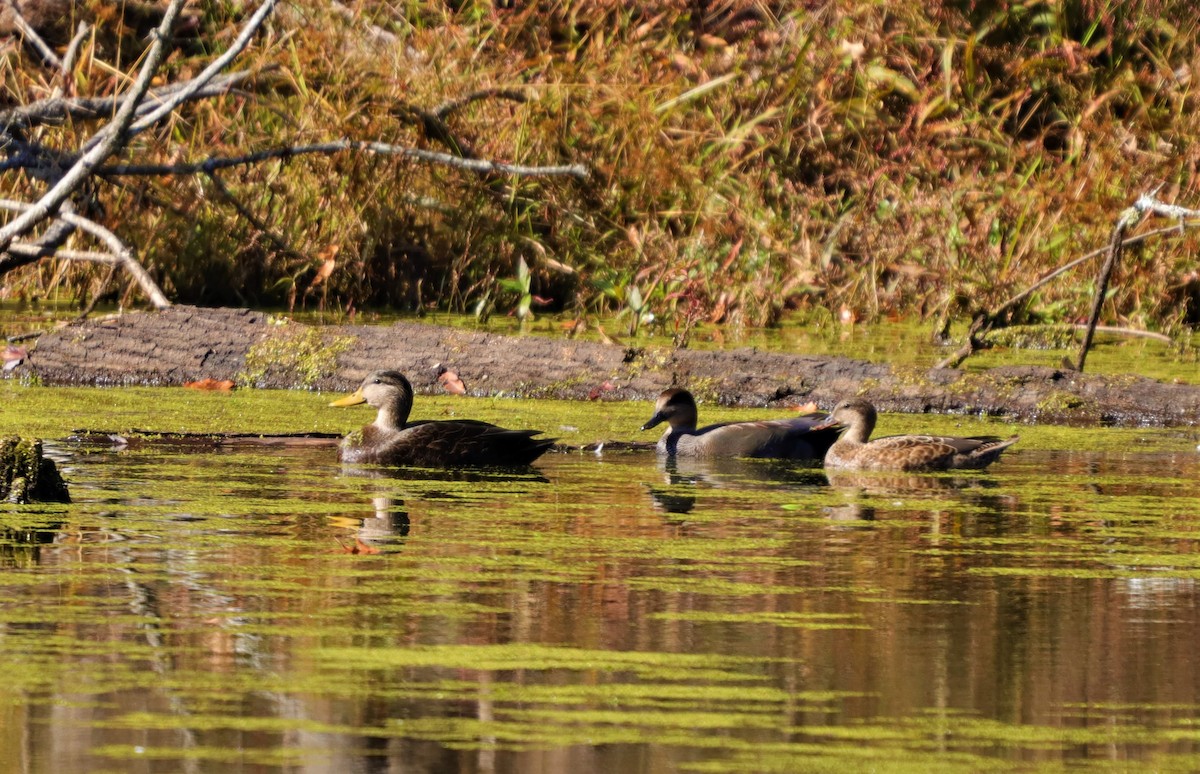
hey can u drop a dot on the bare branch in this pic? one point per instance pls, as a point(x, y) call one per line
point(110, 138)
point(32, 38)
point(1125, 221)
point(379, 34)
point(1136, 332)
point(1027, 292)
point(1148, 203)
point(57, 110)
point(68, 61)
point(121, 253)
point(217, 163)
point(451, 105)
point(208, 73)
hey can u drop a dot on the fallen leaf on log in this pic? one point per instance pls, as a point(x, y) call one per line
point(211, 385)
point(596, 392)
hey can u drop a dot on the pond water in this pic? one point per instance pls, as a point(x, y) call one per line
point(265, 609)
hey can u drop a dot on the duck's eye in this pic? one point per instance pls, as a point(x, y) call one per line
point(376, 380)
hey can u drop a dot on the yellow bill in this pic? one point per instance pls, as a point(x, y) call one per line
point(350, 400)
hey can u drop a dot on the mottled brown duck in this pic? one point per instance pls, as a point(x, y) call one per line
point(853, 451)
point(392, 440)
point(796, 438)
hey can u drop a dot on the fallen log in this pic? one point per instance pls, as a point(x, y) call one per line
point(186, 344)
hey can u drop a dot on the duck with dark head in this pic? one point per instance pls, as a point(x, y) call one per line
point(795, 438)
point(392, 440)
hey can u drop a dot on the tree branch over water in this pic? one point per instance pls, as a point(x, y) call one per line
point(71, 176)
point(1146, 204)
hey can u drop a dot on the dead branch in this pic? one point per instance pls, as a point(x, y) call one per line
point(1135, 332)
point(120, 253)
point(379, 34)
point(58, 110)
point(1145, 204)
point(31, 37)
point(68, 60)
point(987, 320)
point(443, 110)
point(217, 163)
point(108, 140)
point(1126, 219)
point(196, 84)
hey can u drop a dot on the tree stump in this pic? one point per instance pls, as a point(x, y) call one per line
point(26, 476)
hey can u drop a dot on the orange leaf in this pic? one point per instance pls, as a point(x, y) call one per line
point(451, 383)
point(329, 264)
point(224, 385)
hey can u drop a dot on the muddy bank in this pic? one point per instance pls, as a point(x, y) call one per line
point(185, 344)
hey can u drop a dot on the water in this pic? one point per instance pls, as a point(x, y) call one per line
point(262, 609)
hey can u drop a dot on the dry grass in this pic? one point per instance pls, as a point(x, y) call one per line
point(884, 159)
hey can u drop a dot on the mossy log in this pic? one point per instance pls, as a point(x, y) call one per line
point(183, 344)
point(26, 476)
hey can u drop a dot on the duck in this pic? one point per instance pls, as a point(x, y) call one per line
point(853, 451)
point(796, 438)
point(392, 440)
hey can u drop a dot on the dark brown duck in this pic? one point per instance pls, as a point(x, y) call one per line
point(796, 438)
point(392, 440)
point(853, 451)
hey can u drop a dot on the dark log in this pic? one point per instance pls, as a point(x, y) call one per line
point(182, 344)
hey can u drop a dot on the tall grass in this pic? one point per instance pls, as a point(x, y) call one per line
point(881, 159)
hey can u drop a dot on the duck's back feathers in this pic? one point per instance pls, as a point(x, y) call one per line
point(918, 452)
point(777, 438)
point(440, 443)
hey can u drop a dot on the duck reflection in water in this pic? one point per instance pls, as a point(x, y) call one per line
point(386, 529)
point(866, 491)
point(685, 476)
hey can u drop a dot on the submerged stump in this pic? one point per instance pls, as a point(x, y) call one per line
point(26, 476)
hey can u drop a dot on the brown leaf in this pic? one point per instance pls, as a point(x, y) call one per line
point(596, 392)
point(329, 254)
point(13, 353)
point(212, 385)
point(359, 547)
point(451, 383)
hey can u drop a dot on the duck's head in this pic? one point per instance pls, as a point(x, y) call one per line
point(677, 408)
point(855, 413)
point(388, 391)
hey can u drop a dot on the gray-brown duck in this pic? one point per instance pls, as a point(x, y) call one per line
point(853, 451)
point(392, 440)
point(796, 438)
